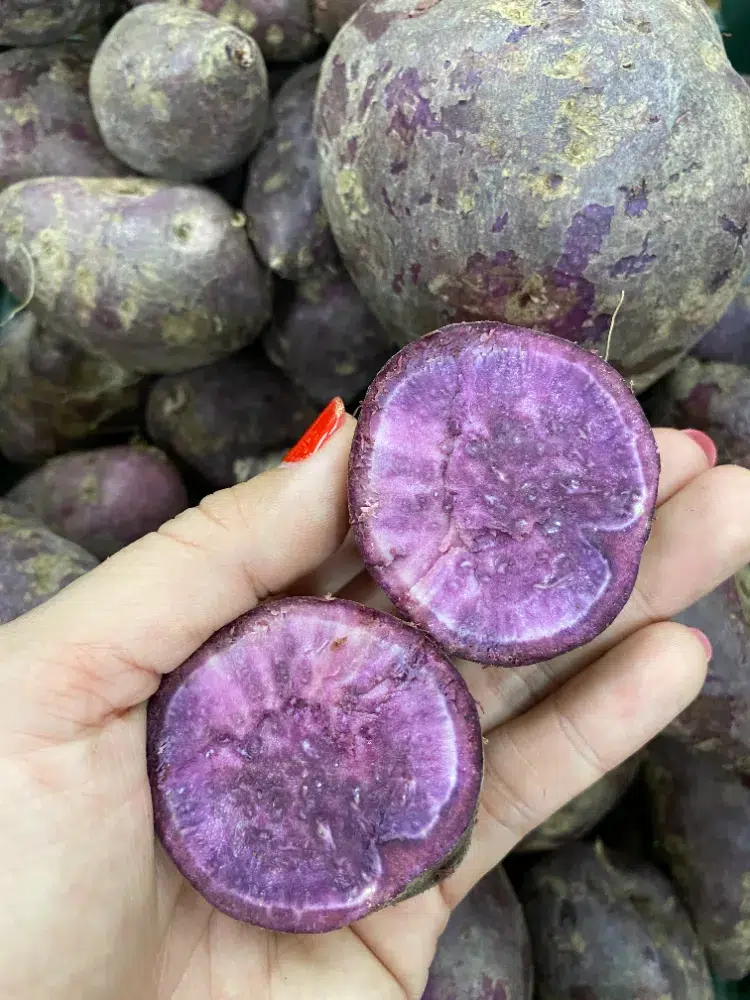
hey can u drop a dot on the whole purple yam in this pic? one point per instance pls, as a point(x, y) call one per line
point(44, 22)
point(283, 202)
point(217, 416)
point(35, 563)
point(484, 952)
point(606, 928)
point(701, 819)
point(156, 277)
point(331, 15)
point(46, 123)
point(103, 499)
point(584, 812)
point(53, 393)
point(195, 100)
point(729, 340)
point(283, 29)
point(501, 488)
point(314, 761)
point(551, 157)
point(327, 340)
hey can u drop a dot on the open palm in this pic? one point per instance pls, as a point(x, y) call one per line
point(95, 910)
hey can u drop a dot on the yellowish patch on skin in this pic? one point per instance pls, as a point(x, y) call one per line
point(466, 202)
point(178, 331)
point(275, 35)
point(274, 183)
point(285, 146)
point(351, 192)
point(84, 289)
point(570, 66)
point(597, 129)
point(578, 941)
point(25, 113)
point(127, 310)
point(235, 13)
point(47, 572)
point(345, 368)
point(304, 257)
point(542, 186)
point(712, 56)
point(50, 249)
point(521, 12)
point(88, 489)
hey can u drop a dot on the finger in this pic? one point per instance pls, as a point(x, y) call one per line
point(333, 575)
point(700, 537)
point(106, 639)
point(685, 455)
point(537, 762)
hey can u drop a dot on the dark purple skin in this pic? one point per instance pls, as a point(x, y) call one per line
point(177, 94)
point(103, 499)
point(46, 123)
point(253, 465)
point(501, 489)
point(701, 818)
point(532, 172)
point(283, 202)
point(314, 761)
point(154, 276)
point(35, 563)
point(604, 927)
point(484, 952)
point(215, 416)
point(729, 341)
point(52, 393)
point(327, 340)
point(331, 15)
point(584, 812)
point(44, 22)
point(282, 28)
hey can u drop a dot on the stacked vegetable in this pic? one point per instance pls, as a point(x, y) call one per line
point(487, 223)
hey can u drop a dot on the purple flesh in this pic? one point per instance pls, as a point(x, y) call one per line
point(501, 488)
point(315, 760)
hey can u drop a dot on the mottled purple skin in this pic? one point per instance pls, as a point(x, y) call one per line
point(729, 341)
point(177, 94)
point(35, 563)
point(604, 927)
point(46, 124)
point(331, 15)
point(701, 818)
point(327, 340)
point(552, 157)
point(710, 396)
point(584, 812)
point(484, 952)
point(501, 489)
point(283, 202)
point(103, 499)
point(283, 29)
point(44, 22)
point(314, 761)
point(154, 276)
point(214, 416)
point(52, 393)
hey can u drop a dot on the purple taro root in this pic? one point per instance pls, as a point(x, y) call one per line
point(501, 488)
point(484, 952)
point(314, 761)
point(528, 161)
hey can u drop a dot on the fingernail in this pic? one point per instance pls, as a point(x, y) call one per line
point(704, 641)
point(705, 443)
point(318, 433)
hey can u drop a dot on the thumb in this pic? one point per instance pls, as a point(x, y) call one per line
point(100, 646)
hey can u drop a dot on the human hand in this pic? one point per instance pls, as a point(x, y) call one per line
point(94, 909)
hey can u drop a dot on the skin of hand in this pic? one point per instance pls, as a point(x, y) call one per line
point(92, 907)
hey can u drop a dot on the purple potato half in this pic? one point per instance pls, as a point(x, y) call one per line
point(502, 484)
point(484, 953)
point(314, 761)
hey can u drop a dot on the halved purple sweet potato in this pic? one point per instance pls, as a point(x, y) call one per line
point(314, 761)
point(501, 489)
point(103, 499)
point(484, 953)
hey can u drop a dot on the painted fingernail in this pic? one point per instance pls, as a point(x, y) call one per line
point(705, 443)
point(318, 433)
point(704, 641)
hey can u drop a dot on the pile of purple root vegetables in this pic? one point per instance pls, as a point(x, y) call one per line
point(513, 236)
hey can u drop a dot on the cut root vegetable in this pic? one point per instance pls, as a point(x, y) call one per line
point(501, 489)
point(314, 761)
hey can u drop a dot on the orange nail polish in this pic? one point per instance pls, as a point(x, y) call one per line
point(318, 433)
